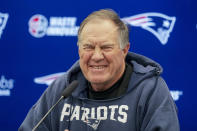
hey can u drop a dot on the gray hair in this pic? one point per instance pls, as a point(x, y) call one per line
point(108, 14)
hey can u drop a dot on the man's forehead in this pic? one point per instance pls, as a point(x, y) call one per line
point(100, 40)
point(98, 25)
point(100, 31)
point(99, 43)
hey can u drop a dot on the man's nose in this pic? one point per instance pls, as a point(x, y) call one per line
point(97, 54)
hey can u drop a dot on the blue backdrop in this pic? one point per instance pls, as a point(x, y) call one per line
point(38, 43)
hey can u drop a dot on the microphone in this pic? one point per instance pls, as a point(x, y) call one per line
point(66, 92)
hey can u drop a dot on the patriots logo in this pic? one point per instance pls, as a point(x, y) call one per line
point(3, 21)
point(48, 79)
point(94, 123)
point(158, 24)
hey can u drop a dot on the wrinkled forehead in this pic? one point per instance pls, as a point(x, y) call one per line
point(100, 30)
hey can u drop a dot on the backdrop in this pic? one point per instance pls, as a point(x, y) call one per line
point(38, 43)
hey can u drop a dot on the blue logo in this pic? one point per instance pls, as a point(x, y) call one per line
point(158, 24)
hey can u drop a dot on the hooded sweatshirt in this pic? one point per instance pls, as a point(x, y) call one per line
point(146, 106)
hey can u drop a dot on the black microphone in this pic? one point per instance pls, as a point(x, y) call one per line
point(66, 92)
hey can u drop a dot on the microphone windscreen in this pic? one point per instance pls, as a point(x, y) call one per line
point(70, 88)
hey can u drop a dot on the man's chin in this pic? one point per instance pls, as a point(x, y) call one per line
point(97, 81)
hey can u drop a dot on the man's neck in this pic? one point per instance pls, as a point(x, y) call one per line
point(116, 90)
point(104, 86)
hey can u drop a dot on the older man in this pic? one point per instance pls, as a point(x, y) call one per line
point(118, 90)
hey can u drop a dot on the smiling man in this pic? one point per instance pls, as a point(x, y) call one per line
point(118, 90)
point(102, 61)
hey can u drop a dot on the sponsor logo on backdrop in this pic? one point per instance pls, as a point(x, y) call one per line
point(5, 86)
point(3, 21)
point(39, 26)
point(158, 24)
point(48, 79)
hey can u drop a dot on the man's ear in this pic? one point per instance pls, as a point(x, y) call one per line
point(78, 51)
point(126, 49)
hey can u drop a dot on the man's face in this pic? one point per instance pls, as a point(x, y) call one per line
point(101, 59)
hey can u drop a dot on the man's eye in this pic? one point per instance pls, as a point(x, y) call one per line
point(107, 48)
point(88, 48)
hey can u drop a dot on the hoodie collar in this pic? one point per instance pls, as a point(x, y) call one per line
point(141, 65)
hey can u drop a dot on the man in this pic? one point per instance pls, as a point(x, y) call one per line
point(118, 90)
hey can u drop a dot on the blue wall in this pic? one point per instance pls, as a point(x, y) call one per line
point(38, 38)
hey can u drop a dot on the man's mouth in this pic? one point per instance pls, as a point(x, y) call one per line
point(97, 67)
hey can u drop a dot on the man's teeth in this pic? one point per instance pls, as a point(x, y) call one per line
point(98, 67)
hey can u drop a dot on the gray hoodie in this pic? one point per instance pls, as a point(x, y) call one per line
point(147, 105)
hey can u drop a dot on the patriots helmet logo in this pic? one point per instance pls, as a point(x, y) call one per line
point(94, 123)
point(48, 79)
point(158, 24)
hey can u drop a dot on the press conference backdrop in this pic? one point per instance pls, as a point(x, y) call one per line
point(38, 43)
